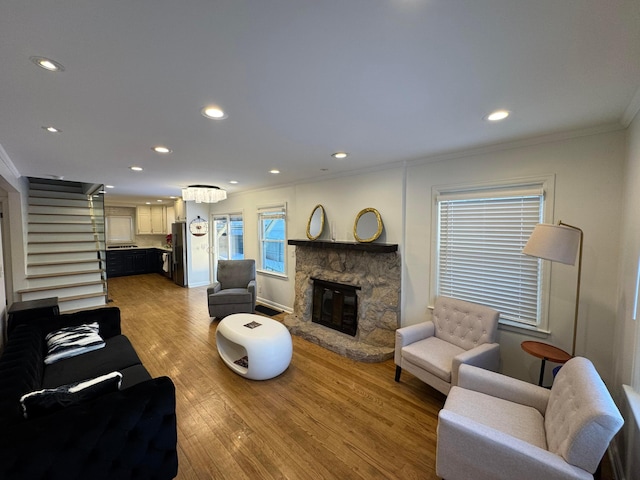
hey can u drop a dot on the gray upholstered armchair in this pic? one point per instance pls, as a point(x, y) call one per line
point(235, 290)
point(496, 427)
point(460, 332)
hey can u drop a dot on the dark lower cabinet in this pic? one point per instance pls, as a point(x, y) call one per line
point(133, 262)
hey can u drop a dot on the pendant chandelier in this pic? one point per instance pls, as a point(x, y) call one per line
point(203, 194)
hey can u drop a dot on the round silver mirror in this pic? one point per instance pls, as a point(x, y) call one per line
point(368, 225)
point(315, 225)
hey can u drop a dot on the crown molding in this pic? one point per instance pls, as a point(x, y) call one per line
point(7, 161)
point(632, 110)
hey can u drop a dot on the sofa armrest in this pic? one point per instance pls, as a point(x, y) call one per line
point(485, 356)
point(125, 435)
point(411, 334)
point(502, 386)
point(468, 449)
point(252, 289)
point(213, 288)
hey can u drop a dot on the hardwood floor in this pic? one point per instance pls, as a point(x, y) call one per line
point(325, 417)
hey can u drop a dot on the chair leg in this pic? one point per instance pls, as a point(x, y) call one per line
point(398, 372)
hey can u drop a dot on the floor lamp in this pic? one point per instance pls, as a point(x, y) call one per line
point(559, 243)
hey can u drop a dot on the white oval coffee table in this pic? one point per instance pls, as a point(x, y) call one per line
point(253, 346)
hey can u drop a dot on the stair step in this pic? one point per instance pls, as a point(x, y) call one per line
point(58, 202)
point(76, 305)
point(55, 185)
point(81, 297)
point(57, 242)
point(63, 286)
point(66, 262)
point(52, 222)
point(63, 274)
point(37, 193)
point(83, 250)
point(55, 210)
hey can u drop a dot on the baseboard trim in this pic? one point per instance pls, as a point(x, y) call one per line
point(274, 305)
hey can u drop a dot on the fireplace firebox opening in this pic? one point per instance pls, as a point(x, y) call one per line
point(335, 305)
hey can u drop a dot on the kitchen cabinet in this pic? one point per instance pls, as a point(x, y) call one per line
point(134, 261)
point(151, 219)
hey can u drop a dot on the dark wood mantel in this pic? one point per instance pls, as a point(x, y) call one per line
point(363, 247)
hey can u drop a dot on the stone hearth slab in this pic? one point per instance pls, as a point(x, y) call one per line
point(337, 342)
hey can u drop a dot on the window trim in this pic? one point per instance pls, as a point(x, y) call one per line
point(547, 184)
point(275, 207)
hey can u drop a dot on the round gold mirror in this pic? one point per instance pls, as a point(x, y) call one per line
point(315, 225)
point(368, 225)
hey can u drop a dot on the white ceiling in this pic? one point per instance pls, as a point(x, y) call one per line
point(385, 80)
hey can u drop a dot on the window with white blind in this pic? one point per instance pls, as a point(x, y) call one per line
point(272, 228)
point(480, 236)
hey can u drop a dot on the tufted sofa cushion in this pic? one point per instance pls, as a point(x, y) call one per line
point(580, 409)
point(455, 323)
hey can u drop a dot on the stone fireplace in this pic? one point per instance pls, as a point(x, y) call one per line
point(373, 271)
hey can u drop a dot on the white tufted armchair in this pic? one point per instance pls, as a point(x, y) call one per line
point(495, 427)
point(460, 332)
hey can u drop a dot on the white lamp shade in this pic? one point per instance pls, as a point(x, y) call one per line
point(553, 242)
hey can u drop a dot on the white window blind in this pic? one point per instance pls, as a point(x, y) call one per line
point(480, 239)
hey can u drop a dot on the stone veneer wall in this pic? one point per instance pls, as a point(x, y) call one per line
point(377, 275)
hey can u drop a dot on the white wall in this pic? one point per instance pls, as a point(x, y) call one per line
point(198, 251)
point(13, 196)
point(626, 329)
point(588, 172)
point(626, 345)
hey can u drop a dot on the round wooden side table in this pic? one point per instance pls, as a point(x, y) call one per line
point(545, 352)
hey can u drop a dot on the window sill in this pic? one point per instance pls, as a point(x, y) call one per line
point(272, 274)
point(523, 329)
point(633, 398)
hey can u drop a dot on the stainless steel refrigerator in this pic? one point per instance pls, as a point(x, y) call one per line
point(179, 246)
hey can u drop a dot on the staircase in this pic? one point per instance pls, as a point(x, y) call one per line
point(66, 244)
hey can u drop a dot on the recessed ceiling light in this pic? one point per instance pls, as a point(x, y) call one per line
point(136, 169)
point(161, 149)
point(214, 112)
point(172, 197)
point(147, 203)
point(274, 171)
point(498, 115)
point(340, 155)
point(51, 129)
point(109, 186)
point(233, 181)
point(47, 64)
point(159, 201)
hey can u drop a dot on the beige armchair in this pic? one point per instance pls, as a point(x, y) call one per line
point(495, 427)
point(460, 332)
point(235, 290)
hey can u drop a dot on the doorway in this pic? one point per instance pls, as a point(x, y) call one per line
point(227, 238)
